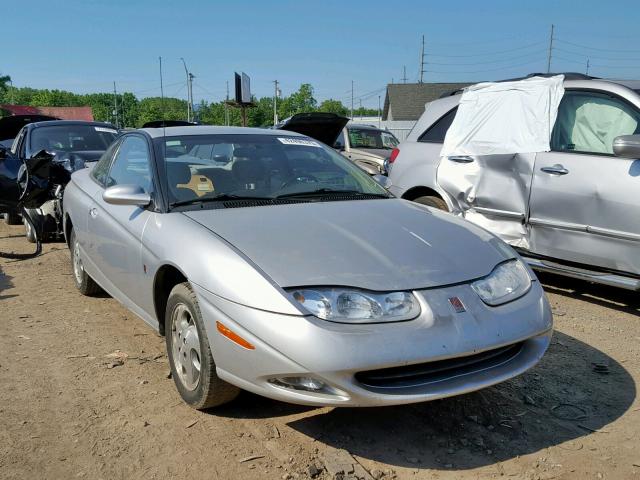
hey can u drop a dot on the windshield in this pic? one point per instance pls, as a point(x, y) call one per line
point(371, 138)
point(203, 168)
point(71, 138)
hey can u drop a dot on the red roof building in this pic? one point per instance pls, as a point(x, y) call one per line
point(63, 113)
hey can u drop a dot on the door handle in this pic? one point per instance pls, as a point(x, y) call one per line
point(461, 159)
point(556, 169)
point(93, 212)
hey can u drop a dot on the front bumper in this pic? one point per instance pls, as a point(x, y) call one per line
point(338, 354)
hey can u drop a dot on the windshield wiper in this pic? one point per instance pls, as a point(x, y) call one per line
point(331, 191)
point(216, 198)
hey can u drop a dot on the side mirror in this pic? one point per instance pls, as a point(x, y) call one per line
point(126, 195)
point(627, 146)
point(383, 181)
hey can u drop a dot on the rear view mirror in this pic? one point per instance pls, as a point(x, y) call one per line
point(627, 146)
point(126, 195)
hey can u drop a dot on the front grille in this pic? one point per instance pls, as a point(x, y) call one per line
point(431, 372)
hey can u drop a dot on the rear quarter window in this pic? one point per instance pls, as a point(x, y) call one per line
point(437, 131)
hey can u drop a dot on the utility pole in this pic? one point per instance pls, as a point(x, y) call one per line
point(226, 107)
point(11, 92)
point(276, 94)
point(190, 78)
point(360, 109)
point(379, 113)
point(404, 74)
point(587, 72)
point(351, 99)
point(422, 62)
point(190, 90)
point(550, 49)
point(115, 104)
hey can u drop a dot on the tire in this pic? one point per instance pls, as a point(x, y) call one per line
point(188, 348)
point(84, 283)
point(432, 201)
point(29, 232)
point(12, 218)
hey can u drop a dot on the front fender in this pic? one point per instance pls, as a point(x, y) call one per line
point(210, 262)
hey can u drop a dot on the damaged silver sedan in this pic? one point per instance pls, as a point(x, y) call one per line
point(551, 165)
point(273, 264)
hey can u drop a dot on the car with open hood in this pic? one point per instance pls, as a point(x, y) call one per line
point(365, 145)
point(273, 264)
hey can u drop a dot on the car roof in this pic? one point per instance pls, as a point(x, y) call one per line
point(54, 123)
point(365, 126)
point(213, 130)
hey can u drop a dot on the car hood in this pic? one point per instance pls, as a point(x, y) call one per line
point(379, 245)
point(325, 127)
point(10, 126)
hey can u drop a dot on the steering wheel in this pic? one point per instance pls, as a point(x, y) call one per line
point(305, 178)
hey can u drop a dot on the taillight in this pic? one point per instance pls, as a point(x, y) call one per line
point(394, 155)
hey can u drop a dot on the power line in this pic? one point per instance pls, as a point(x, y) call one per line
point(585, 54)
point(524, 47)
point(504, 67)
point(510, 59)
point(597, 48)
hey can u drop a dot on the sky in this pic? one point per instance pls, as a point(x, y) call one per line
point(86, 45)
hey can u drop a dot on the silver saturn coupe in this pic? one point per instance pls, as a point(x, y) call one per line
point(272, 264)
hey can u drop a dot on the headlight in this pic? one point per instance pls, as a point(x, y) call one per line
point(357, 306)
point(508, 281)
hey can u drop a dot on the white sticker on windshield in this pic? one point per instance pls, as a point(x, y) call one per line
point(173, 143)
point(103, 129)
point(298, 141)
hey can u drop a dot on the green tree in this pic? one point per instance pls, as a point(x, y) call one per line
point(334, 106)
point(298, 102)
point(156, 108)
point(4, 80)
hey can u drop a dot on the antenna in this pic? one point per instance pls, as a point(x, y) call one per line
point(404, 74)
point(587, 72)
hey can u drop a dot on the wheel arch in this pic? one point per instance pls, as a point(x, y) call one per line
point(421, 191)
point(167, 277)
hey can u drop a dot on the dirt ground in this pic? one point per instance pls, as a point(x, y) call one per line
point(84, 394)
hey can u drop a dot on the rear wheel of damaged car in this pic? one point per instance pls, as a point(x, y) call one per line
point(84, 283)
point(432, 201)
point(192, 366)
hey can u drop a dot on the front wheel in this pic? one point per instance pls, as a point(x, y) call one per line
point(192, 366)
point(82, 280)
point(432, 201)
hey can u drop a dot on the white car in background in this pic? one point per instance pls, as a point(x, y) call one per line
point(572, 210)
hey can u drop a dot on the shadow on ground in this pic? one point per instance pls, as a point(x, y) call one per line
point(559, 401)
point(610, 297)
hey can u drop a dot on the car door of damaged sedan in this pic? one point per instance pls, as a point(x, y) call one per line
point(116, 230)
point(585, 203)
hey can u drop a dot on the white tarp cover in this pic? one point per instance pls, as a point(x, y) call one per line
point(505, 117)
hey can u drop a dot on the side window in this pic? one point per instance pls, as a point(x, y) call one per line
point(589, 121)
point(131, 164)
point(436, 132)
point(339, 143)
point(100, 171)
point(17, 140)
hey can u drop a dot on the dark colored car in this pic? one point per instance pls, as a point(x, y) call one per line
point(35, 170)
point(9, 128)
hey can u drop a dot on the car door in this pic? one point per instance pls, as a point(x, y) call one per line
point(585, 201)
point(116, 230)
